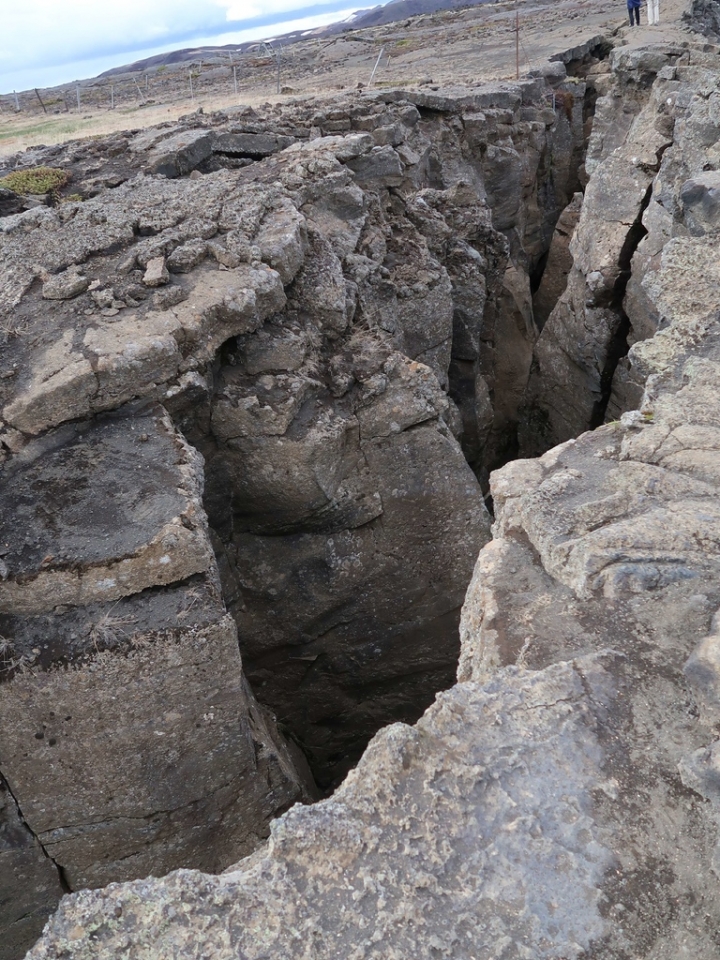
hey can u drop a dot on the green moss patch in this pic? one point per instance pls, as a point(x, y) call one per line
point(37, 180)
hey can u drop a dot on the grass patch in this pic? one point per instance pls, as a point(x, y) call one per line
point(38, 129)
point(37, 180)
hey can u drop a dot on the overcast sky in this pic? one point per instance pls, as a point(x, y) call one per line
point(47, 42)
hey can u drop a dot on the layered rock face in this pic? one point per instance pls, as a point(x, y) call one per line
point(561, 800)
point(130, 738)
point(236, 516)
point(651, 160)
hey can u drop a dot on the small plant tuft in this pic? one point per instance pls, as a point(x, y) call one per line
point(36, 180)
point(109, 629)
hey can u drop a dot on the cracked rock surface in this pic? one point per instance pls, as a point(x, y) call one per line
point(249, 389)
point(561, 799)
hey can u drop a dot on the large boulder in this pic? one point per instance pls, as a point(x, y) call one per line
point(131, 742)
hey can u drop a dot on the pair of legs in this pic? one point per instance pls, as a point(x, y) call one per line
point(634, 12)
point(653, 11)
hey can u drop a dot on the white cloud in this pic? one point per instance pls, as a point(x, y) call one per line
point(43, 33)
point(249, 9)
point(48, 31)
point(24, 74)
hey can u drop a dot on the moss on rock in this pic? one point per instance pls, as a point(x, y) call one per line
point(37, 180)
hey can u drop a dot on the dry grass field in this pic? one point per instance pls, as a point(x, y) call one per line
point(461, 46)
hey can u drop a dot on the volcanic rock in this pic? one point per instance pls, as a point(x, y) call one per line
point(561, 799)
point(260, 458)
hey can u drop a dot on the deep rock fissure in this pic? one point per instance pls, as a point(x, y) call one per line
point(296, 679)
point(352, 737)
point(562, 799)
point(299, 324)
point(619, 346)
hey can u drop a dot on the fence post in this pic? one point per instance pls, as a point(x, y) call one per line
point(77, 92)
point(17, 102)
point(112, 96)
point(377, 63)
point(192, 95)
point(235, 79)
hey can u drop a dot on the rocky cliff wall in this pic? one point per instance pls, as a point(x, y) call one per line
point(561, 799)
point(242, 383)
point(651, 160)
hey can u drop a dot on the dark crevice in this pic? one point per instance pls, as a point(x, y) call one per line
point(619, 346)
point(335, 679)
point(499, 443)
point(537, 271)
point(61, 873)
point(66, 888)
point(579, 66)
point(617, 349)
point(231, 155)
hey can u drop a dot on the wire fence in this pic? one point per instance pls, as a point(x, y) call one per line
point(266, 65)
point(162, 84)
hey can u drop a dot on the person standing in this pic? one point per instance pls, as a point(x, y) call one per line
point(634, 12)
point(653, 12)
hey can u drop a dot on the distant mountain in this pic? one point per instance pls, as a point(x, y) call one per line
point(402, 9)
point(372, 17)
point(176, 56)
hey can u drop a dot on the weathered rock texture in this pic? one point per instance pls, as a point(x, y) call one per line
point(130, 739)
point(587, 333)
point(562, 799)
point(233, 382)
point(703, 16)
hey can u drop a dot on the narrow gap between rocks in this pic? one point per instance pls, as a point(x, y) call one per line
point(343, 629)
point(24, 826)
point(619, 346)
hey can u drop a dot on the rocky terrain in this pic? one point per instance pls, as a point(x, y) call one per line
point(261, 373)
point(392, 11)
point(467, 45)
